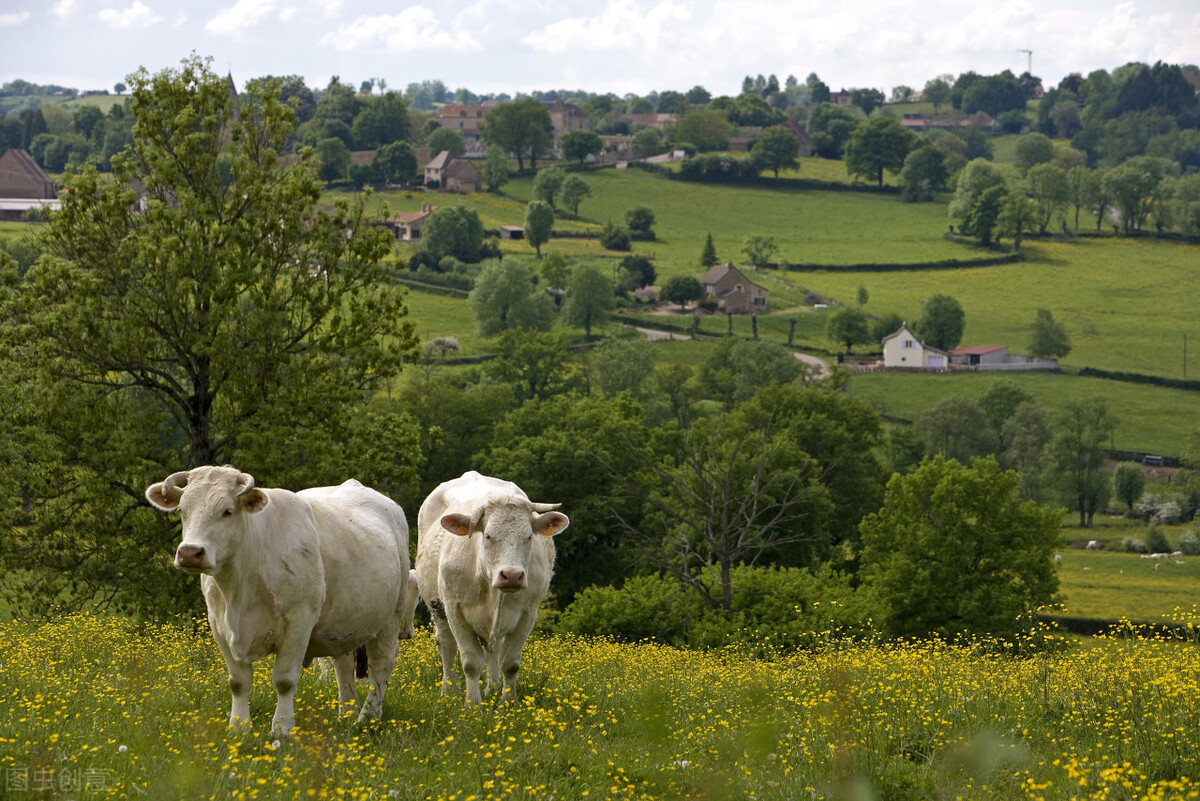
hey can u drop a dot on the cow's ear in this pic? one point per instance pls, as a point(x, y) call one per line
point(550, 523)
point(164, 497)
point(254, 500)
point(457, 524)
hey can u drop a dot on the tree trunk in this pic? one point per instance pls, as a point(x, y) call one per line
point(726, 586)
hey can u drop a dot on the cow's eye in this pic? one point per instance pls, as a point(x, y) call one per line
point(487, 537)
point(227, 513)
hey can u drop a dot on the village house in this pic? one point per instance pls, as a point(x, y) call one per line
point(566, 117)
point(407, 227)
point(452, 175)
point(466, 120)
point(733, 290)
point(902, 350)
point(23, 185)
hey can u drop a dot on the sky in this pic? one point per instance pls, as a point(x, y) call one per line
point(619, 46)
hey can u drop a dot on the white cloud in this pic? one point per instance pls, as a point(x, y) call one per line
point(138, 15)
point(414, 28)
point(8, 20)
point(63, 9)
point(241, 15)
point(620, 26)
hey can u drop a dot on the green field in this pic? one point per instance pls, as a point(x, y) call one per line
point(1110, 585)
point(1152, 419)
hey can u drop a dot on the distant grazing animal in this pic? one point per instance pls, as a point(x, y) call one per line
point(1058, 558)
point(1093, 545)
point(299, 575)
point(485, 555)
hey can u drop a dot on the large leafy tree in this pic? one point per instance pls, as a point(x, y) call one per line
point(941, 322)
point(1080, 433)
point(382, 120)
point(539, 224)
point(954, 551)
point(849, 324)
point(957, 428)
point(504, 298)
point(923, 174)
point(1049, 338)
point(522, 128)
point(776, 148)
point(572, 192)
point(217, 314)
point(879, 144)
point(576, 451)
point(830, 127)
point(589, 297)
point(453, 231)
point(578, 145)
point(706, 129)
point(547, 183)
point(733, 490)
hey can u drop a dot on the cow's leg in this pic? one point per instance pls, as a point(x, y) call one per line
point(509, 655)
point(447, 647)
point(289, 660)
point(493, 669)
point(343, 668)
point(408, 606)
point(470, 651)
point(381, 657)
point(241, 676)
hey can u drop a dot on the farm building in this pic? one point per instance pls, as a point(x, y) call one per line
point(902, 350)
point(23, 185)
point(733, 290)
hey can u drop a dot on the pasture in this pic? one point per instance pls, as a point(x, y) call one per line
point(1152, 419)
point(1110, 584)
point(95, 702)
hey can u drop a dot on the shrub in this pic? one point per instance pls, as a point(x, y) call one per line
point(1156, 540)
point(614, 237)
point(1189, 543)
point(772, 608)
point(1133, 545)
point(1168, 513)
point(1146, 507)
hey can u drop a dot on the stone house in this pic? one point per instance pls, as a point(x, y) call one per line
point(733, 290)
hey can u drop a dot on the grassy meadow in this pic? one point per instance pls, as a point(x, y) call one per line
point(1152, 419)
point(1109, 584)
point(95, 707)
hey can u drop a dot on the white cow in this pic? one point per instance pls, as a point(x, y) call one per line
point(485, 555)
point(300, 575)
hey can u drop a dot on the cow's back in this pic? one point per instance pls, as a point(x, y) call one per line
point(363, 540)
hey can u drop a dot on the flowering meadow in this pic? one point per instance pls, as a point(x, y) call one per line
point(99, 707)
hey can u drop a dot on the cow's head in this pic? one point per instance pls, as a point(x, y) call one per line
point(212, 502)
point(506, 530)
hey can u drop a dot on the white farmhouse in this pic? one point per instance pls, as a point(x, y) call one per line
point(903, 350)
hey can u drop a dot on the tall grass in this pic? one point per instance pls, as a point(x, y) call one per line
point(140, 713)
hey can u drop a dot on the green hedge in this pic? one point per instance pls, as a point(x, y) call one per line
point(944, 264)
point(774, 610)
point(1139, 378)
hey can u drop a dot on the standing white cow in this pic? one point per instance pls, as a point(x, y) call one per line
point(300, 575)
point(485, 555)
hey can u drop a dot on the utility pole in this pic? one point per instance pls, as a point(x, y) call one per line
point(1029, 53)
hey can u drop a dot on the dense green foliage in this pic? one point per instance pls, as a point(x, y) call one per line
point(952, 549)
point(223, 317)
